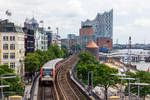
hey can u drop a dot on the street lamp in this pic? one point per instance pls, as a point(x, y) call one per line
point(121, 75)
point(128, 84)
point(139, 84)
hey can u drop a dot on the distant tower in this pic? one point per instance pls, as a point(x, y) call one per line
point(117, 41)
point(129, 53)
point(57, 29)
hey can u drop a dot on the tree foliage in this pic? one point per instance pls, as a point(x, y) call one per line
point(144, 77)
point(34, 61)
point(101, 72)
point(14, 83)
point(76, 47)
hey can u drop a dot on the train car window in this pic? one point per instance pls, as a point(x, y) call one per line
point(47, 72)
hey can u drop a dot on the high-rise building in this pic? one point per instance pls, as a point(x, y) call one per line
point(12, 46)
point(102, 24)
point(38, 35)
point(49, 37)
point(29, 40)
point(101, 28)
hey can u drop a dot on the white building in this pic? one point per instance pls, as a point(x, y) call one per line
point(41, 39)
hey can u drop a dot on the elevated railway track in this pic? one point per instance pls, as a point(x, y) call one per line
point(64, 84)
point(47, 92)
point(62, 88)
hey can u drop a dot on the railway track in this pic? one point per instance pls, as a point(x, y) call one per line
point(65, 86)
point(47, 92)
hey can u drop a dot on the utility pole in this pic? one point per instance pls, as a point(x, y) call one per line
point(128, 85)
point(122, 76)
point(129, 54)
point(140, 84)
point(57, 29)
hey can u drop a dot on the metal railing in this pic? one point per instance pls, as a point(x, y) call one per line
point(33, 85)
point(73, 73)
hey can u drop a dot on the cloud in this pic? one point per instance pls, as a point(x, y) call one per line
point(142, 22)
point(130, 16)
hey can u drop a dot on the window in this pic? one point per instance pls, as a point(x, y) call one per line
point(5, 46)
point(5, 38)
point(5, 55)
point(47, 72)
point(12, 55)
point(12, 46)
point(12, 65)
point(12, 38)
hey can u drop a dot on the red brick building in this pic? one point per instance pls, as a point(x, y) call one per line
point(101, 42)
point(86, 31)
point(105, 42)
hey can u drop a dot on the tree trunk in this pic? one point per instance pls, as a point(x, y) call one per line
point(144, 97)
point(106, 98)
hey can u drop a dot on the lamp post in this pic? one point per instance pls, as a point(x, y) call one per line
point(139, 84)
point(121, 75)
point(128, 84)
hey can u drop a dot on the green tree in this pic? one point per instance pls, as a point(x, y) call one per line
point(65, 51)
point(76, 47)
point(144, 77)
point(87, 58)
point(32, 62)
point(101, 72)
point(64, 46)
point(103, 77)
point(14, 83)
point(57, 51)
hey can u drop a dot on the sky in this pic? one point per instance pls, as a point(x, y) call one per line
point(130, 17)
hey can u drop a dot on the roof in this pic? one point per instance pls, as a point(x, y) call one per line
point(92, 45)
point(6, 26)
point(51, 64)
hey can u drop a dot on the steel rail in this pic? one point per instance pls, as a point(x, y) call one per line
point(62, 73)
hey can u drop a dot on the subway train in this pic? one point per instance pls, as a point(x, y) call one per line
point(48, 71)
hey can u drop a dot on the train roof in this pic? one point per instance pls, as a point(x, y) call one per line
point(51, 64)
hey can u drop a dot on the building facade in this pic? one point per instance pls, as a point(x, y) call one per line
point(41, 39)
point(71, 36)
point(86, 30)
point(101, 27)
point(12, 46)
point(102, 24)
point(29, 40)
point(49, 37)
point(84, 40)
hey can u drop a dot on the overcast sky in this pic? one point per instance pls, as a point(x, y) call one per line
point(131, 17)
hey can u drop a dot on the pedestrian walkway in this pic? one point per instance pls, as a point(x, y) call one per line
point(27, 91)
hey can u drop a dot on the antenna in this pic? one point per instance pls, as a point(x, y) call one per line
point(57, 29)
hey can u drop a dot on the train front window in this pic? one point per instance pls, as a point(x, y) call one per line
point(47, 72)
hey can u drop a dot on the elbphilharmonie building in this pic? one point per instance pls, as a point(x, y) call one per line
point(102, 24)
